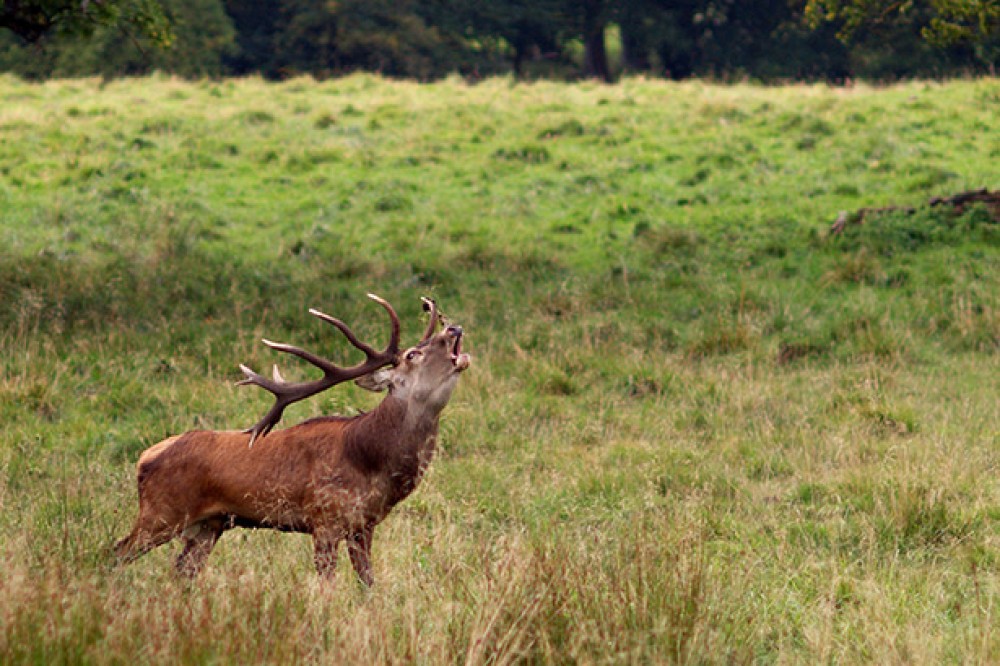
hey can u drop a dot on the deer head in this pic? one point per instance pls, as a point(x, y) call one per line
point(423, 376)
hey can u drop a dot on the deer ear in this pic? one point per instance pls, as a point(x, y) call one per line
point(375, 381)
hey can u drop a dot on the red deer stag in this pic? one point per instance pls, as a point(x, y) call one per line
point(332, 477)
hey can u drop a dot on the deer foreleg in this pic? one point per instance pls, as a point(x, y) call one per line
point(199, 539)
point(359, 547)
point(325, 542)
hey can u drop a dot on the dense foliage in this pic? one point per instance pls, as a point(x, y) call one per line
point(33, 19)
point(200, 35)
point(773, 39)
point(942, 21)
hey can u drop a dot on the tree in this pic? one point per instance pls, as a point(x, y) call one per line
point(594, 17)
point(256, 23)
point(200, 34)
point(522, 30)
point(944, 21)
point(387, 36)
point(33, 19)
point(639, 23)
point(661, 36)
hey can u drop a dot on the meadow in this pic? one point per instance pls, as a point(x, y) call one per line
point(698, 428)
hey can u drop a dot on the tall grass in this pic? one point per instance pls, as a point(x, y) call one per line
point(697, 428)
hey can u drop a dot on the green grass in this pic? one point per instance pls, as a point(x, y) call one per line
point(697, 428)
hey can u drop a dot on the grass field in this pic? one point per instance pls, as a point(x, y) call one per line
point(698, 428)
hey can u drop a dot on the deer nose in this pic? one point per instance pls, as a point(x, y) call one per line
point(454, 331)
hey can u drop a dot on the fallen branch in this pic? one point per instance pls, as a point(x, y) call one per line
point(958, 202)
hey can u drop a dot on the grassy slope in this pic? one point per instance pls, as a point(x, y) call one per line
point(629, 472)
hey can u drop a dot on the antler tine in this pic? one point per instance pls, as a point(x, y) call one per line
point(264, 426)
point(394, 336)
point(286, 393)
point(391, 349)
point(318, 361)
point(430, 306)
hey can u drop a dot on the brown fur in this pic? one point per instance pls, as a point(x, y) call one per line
point(335, 478)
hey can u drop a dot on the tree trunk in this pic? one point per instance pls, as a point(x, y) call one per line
point(635, 55)
point(595, 55)
point(518, 61)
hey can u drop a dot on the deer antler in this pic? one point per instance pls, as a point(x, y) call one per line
point(286, 393)
point(431, 306)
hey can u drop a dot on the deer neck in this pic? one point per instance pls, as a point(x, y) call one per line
point(412, 420)
point(393, 443)
point(393, 436)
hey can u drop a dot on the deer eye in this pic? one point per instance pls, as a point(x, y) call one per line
point(412, 354)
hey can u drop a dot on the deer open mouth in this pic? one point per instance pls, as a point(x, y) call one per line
point(458, 359)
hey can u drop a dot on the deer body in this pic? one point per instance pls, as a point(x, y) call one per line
point(335, 478)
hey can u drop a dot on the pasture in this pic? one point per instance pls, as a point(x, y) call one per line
point(697, 429)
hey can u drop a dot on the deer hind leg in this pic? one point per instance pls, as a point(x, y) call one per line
point(199, 539)
point(144, 537)
point(359, 547)
point(154, 527)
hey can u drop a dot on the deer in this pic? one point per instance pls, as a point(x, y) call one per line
point(332, 477)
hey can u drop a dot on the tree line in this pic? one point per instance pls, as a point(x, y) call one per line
point(427, 39)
